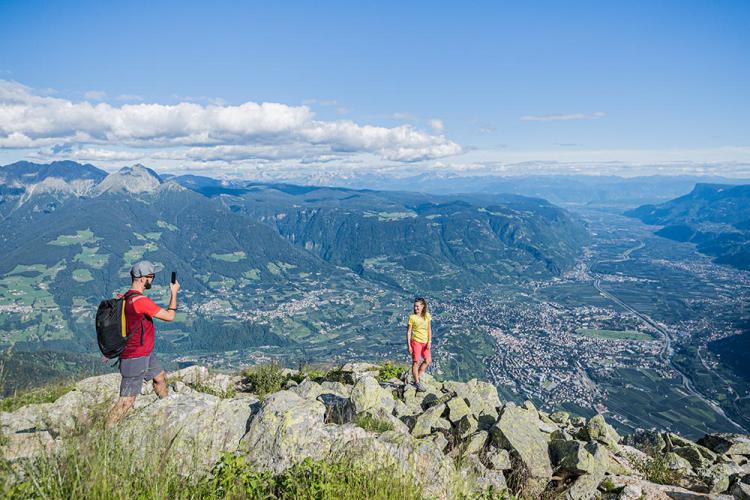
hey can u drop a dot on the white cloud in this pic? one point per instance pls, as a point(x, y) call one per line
point(437, 125)
point(95, 95)
point(129, 97)
point(562, 118)
point(29, 120)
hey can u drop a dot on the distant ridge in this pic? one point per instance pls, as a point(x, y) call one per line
point(716, 217)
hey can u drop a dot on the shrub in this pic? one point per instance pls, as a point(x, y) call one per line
point(391, 370)
point(232, 477)
point(265, 379)
point(315, 374)
point(45, 394)
point(656, 468)
point(373, 424)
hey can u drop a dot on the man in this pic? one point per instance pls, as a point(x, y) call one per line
point(138, 363)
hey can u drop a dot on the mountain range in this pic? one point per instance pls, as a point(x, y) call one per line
point(260, 264)
point(716, 217)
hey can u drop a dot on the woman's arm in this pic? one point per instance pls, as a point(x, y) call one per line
point(429, 333)
point(408, 337)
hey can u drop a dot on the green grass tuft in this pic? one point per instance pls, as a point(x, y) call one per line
point(45, 394)
point(265, 379)
point(97, 465)
point(373, 424)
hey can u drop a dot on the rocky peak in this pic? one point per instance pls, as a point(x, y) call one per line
point(453, 439)
point(135, 179)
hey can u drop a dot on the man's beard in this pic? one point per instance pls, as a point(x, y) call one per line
point(147, 286)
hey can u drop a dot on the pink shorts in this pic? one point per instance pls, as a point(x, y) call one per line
point(419, 351)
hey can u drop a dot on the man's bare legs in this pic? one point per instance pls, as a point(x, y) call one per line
point(125, 403)
point(160, 385)
point(118, 411)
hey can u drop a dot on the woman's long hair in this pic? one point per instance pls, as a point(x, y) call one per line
point(424, 306)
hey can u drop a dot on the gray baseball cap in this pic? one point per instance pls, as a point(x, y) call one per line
point(144, 268)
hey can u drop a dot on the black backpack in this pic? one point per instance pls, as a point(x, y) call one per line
point(111, 327)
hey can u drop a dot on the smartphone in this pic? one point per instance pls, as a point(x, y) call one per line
point(174, 277)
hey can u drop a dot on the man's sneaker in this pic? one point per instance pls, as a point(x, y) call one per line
point(420, 387)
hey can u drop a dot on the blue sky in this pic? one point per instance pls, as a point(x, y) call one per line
point(468, 87)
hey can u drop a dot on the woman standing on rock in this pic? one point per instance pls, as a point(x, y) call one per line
point(419, 340)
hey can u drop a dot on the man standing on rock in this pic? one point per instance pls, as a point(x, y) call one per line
point(138, 363)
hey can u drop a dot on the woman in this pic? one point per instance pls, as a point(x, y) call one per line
point(419, 340)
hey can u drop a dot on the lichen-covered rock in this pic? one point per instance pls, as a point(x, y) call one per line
point(192, 375)
point(29, 418)
point(466, 426)
point(197, 428)
point(698, 456)
point(480, 477)
point(338, 409)
point(651, 441)
point(367, 394)
point(425, 422)
point(307, 389)
point(475, 443)
point(578, 457)
point(420, 459)
point(740, 491)
point(499, 459)
point(23, 445)
point(355, 371)
point(597, 429)
point(725, 443)
point(336, 388)
point(585, 486)
point(677, 463)
point(482, 399)
point(560, 417)
point(517, 430)
point(385, 416)
point(288, 429)
point(457, 409)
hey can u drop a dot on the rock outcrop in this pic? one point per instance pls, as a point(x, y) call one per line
point(456, 438)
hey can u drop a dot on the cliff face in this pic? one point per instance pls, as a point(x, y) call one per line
point(454, 435)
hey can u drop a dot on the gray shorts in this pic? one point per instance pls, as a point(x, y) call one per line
point(135, 371)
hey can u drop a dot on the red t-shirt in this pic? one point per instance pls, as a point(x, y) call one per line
point(139, 313)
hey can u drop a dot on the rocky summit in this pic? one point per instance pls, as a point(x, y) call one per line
point(454, 439)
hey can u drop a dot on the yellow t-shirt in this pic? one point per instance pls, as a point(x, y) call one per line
point(419, 327)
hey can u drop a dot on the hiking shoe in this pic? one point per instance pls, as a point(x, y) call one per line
point(420, 387)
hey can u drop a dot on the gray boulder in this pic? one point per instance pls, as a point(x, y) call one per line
point(195, 428)
point(457, 409)
point(481, 478)
point(24, 445)
point(727, 444)
point(517, 430)
point(338, 408)
point(585, 486)
point(597, 429)
point(499, 459)
point(425, 422)
point(577, 457)
point(560, 417)
point(368, 395)
point(336, 388)
point(419, 459)
point(307, 389)
point(740, 491)
point(288, 429)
